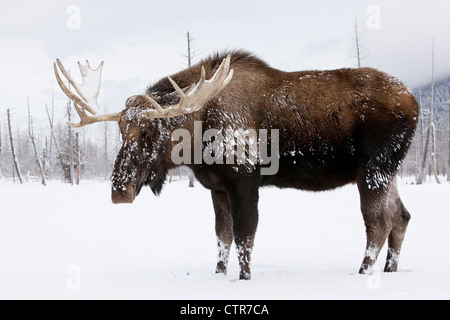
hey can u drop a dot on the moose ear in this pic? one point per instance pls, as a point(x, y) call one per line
point(130, 100)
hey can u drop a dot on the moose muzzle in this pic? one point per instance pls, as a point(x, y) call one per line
point(126, 194)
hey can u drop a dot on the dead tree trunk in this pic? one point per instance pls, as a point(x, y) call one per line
point(358, 53)
point(53, 137)
point(189, 55)
point(422, 172)
point(70, 150)
point(52, 132)
point(48, 146)
point(360, 46)
point(189, 58)
point(15, 161)
point(430, 136)
point(432, 127)
point(433, 152)
point(71, 163)
point(77, 152)
point(106, 167)
point(419, 138)
point(33, 143)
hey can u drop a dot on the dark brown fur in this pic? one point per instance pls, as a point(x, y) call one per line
point(335, 127)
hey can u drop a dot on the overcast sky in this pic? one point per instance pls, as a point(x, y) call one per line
point(144, 40)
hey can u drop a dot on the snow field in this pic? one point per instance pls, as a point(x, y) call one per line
point(64, 242)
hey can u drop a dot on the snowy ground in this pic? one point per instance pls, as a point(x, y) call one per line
point(63, 242)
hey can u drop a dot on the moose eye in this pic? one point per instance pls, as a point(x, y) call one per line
point(146, 135)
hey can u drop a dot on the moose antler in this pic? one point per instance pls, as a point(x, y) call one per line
point(193, 98)
point(88, 90)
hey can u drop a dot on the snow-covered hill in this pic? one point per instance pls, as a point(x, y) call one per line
point(441, 100)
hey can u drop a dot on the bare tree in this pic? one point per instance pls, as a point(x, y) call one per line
point(33, 143)
point(14, 156)
point(432, 126)
point(49, 146)
point(70, 142)
point(189, 40)
point(78, 158)
point(191, 52)
point(361, 51)
point(430, 136)
point(59, 155)
point(105, 140)
point(106, 168)
point(419, 139)
point(52, 131)
point(71, 163)
point(189, 56)
point(358, 52)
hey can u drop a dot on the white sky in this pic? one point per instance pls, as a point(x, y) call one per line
point(142, 41)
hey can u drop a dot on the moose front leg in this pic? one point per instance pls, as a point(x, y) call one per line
point(244, 210)
point(224, 229)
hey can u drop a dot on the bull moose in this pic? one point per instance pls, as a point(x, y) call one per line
point(334, 127)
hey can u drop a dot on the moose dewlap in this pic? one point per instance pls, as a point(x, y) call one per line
point(332, 128)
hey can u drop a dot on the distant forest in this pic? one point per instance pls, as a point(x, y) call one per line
point(439, 147)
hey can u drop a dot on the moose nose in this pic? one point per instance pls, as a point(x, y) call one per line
point(123, 195)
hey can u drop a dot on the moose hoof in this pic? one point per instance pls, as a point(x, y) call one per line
point(245, 276)
point(389, 268)
point(221, 269)
point(365, 269)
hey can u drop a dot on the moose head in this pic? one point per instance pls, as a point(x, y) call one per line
point(144, 157)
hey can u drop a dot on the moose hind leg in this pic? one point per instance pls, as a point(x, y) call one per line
point(376, 219)
point(224, 229)
point(383, 211)
point(400, 218)
point(378, 227)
